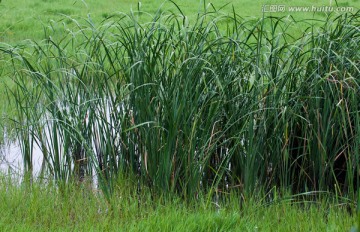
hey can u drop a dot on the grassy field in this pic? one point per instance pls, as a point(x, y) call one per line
point(39, 208)
point(22, 19)
point(209, 114)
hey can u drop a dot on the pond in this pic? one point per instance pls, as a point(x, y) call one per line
point(11, 160)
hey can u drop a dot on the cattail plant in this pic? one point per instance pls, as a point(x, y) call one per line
point(194, 107)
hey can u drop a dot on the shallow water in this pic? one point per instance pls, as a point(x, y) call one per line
point(11, 160)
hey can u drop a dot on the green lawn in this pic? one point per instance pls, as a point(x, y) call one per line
point(35, 208)
point(24, 19)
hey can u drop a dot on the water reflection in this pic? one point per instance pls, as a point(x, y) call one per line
point(11, 160)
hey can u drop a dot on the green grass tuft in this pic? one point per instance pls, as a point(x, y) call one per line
point(189, 107)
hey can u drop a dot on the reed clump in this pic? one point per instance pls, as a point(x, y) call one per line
point(194, 107)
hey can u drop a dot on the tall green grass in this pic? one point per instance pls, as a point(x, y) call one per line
point(191, 107)
point(44, 208)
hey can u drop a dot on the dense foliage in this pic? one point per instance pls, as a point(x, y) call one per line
point(221, 103)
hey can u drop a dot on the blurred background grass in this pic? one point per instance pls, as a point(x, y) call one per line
point(23, 19)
